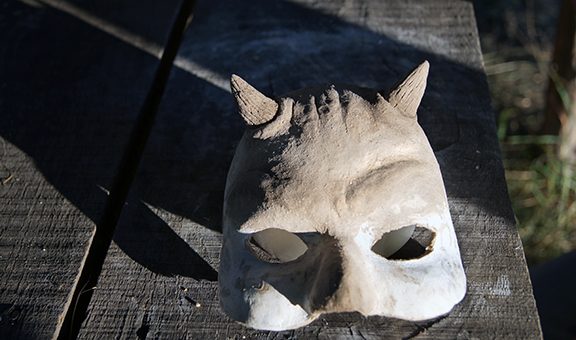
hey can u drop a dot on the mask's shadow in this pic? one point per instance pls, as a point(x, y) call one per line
point(148, 240)
point(183, 172)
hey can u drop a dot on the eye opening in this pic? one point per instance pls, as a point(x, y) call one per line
point(407, 243)
point(275, 245)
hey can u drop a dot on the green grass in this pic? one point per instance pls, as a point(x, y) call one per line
point(542, 188)
point(543, 193)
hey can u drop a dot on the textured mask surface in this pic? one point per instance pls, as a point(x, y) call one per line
point(325, 198)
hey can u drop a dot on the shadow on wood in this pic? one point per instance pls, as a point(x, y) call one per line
point(149, 241)
point(70, 93)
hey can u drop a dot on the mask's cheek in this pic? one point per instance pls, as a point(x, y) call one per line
point(420, 281)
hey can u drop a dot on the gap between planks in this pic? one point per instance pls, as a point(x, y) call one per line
point(102, 238)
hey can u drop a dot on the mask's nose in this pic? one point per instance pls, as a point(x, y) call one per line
point(360, 287)
point(357, 289)
point(327, 273)
point(312, 280)
point(332, 275)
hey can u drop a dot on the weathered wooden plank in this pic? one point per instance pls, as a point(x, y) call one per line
point(70, 91)
point(159, 277)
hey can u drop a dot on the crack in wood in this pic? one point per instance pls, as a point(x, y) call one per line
point(424, 328)
point(102, 238)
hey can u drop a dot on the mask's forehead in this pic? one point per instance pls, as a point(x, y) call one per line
point(319, 145)
point(340, 134)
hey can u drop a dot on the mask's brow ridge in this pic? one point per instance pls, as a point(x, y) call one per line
point(387, 167)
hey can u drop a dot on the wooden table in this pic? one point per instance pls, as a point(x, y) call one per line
point(76, 79)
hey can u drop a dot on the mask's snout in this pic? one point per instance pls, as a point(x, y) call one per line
point(306, 268)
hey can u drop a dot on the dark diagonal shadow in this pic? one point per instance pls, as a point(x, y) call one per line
point(70, 92)
point(149, 241)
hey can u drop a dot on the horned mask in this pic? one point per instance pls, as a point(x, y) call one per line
point(335, 202)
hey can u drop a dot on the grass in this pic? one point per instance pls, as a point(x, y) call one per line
point(517, 38)
point(541, 186)
point(543, 193)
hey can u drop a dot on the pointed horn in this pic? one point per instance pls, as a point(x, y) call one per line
point(255, 108)
point(407, 96)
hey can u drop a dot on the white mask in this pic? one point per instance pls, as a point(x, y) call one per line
point(325, 186)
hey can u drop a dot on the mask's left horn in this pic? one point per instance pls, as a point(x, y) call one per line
point(255, 108)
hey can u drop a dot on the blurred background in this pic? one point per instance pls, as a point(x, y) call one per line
point(528, 48)
point(530, 81)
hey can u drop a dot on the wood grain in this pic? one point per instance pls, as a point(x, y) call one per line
point(70, 91)
point(158, 279)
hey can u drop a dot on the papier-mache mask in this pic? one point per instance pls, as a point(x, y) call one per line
point(335, 202)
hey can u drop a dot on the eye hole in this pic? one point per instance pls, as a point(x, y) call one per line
point(407, 243)
point(276, 246)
